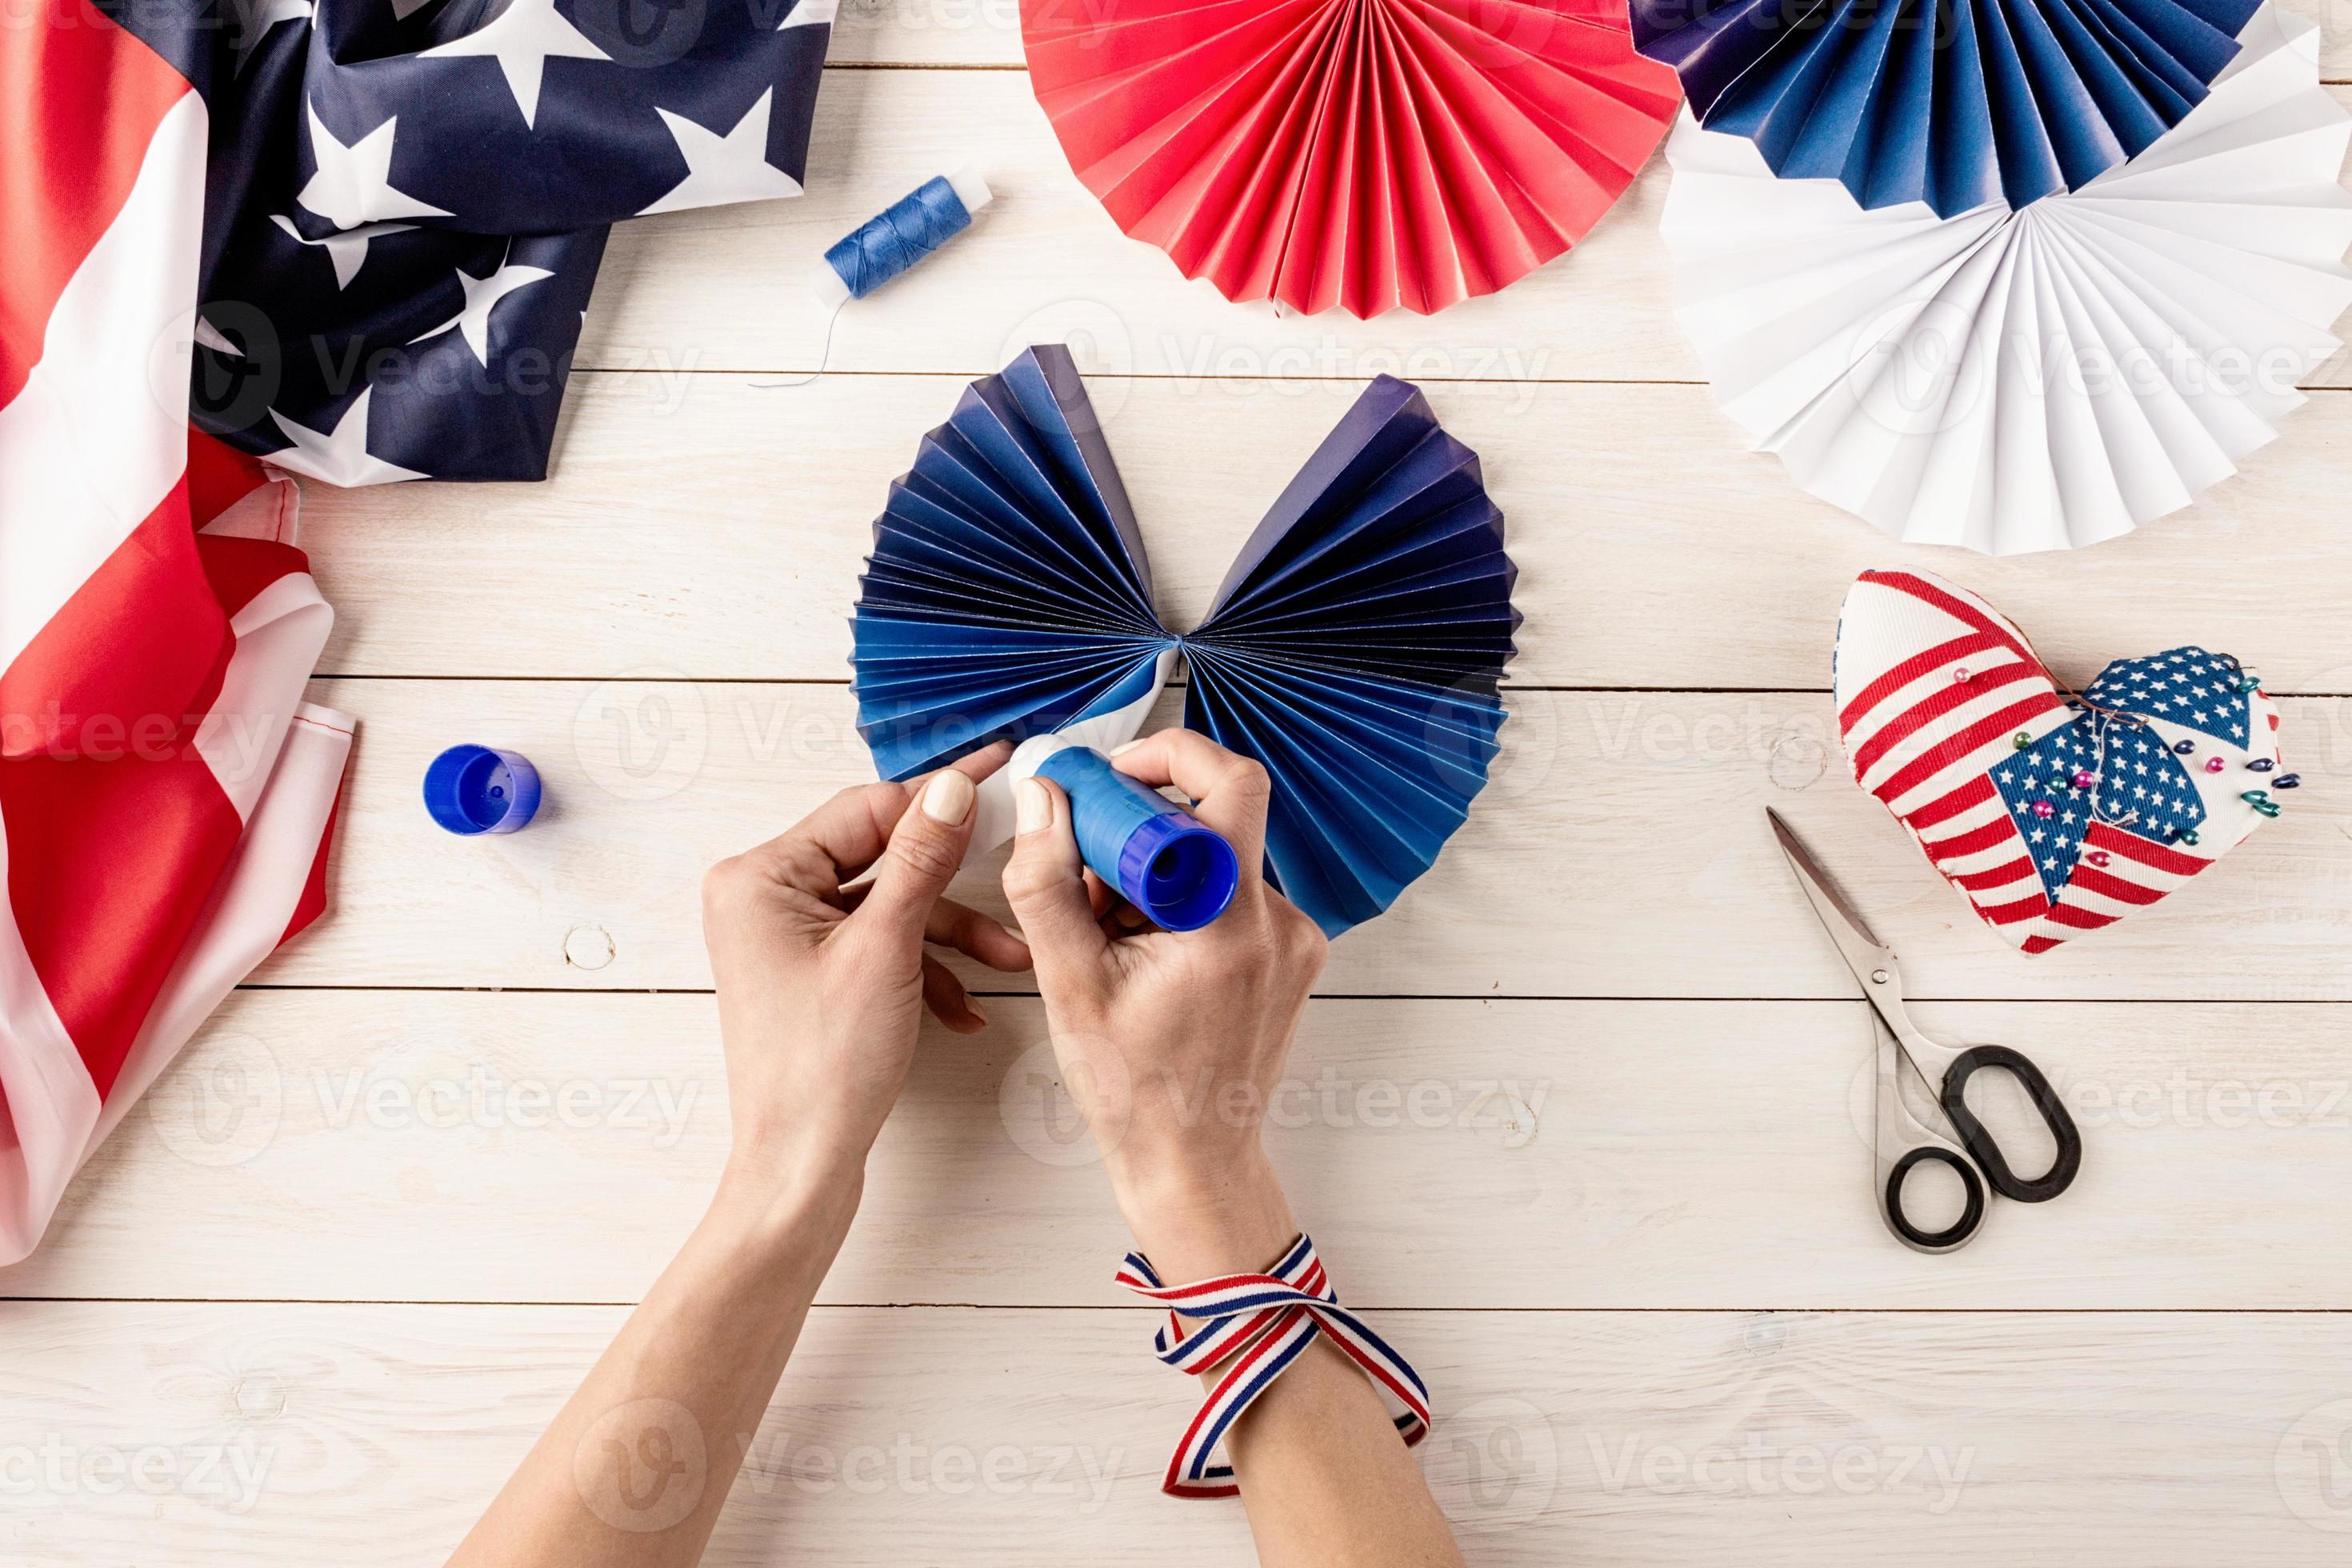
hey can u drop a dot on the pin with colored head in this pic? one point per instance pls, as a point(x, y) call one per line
point(1164, 861)
point(477, 789)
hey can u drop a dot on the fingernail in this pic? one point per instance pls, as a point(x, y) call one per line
point(948, 797)
point(1033, 807)
point(1123, 750)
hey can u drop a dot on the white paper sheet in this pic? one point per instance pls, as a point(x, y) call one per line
point(2039, 379)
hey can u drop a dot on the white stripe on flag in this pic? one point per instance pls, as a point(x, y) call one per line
point(99, 435)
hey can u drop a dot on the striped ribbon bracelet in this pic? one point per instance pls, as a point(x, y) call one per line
point(1265, 1321)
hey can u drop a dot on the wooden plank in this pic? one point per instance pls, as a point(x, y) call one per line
point(1620, 850)
point(987, 32)
point(362, 1146)
point(700, 527)
point(302, 1434)
point(720, 289)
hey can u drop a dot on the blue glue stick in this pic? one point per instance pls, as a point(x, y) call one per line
point(1163, 861)
point(475, 789)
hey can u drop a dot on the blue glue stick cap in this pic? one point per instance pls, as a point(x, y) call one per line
point(1160, 858)
point(477, 789)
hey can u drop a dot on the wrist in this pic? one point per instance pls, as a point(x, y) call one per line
point(795, 1197)
point(1196, 1220)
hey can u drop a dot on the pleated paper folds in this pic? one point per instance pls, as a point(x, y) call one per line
point(1363, 153)
point(2038, 379)
point(1354, 649)
point(1951, 102)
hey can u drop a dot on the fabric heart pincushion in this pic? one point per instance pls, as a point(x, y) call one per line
point(2055, 814)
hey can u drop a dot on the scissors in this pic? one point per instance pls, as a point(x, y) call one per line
point(1905, 1143)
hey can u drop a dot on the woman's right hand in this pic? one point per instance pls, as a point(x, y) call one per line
point(1173, 1043)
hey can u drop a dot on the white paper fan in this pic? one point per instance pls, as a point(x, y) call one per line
point(2038, 379)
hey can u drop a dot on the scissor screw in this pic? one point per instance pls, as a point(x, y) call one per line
point(1878, 977)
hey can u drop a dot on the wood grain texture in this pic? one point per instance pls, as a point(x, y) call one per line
point(303, 1434)
point(705, 528)
point(722, 287)
point(1567, 1212)
point(1619, 850)
point(366, 1146)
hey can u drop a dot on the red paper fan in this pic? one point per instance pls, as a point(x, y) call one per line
point(1367, 154)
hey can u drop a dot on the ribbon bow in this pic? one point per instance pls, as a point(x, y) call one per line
point(1267, 1321)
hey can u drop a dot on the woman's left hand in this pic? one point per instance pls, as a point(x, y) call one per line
point(820, 990)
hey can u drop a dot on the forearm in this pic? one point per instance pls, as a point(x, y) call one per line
point(635, 1468)
point(1326, 1478)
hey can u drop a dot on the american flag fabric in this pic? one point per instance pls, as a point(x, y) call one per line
point(2053, 814)
point(1263, 1323)
point(349, 239)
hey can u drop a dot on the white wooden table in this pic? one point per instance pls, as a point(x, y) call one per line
point(1582, 1117)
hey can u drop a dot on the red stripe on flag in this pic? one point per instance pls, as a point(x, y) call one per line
point(1958, 609)
point(1909, 671)
point(1971, 794)
point(2037, 944)
point(1976, 841)
point(2080, 919)
point(1958, 747)
point(312, 903)
point(84, 99)
point(2091, 879)
point(1999, 877)
point(100, 668)
point(2145, 851)
point(1934, 706)
point(2010, 914)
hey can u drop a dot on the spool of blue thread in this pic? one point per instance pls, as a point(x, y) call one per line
point(1163, 861)
point(477, 789)
point(901, 235)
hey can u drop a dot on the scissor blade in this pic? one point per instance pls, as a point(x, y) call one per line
point(1846, 926)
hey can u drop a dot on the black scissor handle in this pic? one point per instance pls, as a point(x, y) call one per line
point(1980, 1144)
point(1971, 1215)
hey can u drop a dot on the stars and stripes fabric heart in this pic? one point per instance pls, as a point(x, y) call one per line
point(1263, 1323)
point(2053, 814)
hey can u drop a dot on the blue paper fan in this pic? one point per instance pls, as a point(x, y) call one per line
point(1952, 102)
point(1354, 649)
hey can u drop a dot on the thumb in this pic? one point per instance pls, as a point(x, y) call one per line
point(925, 852)
point(1046, 881)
